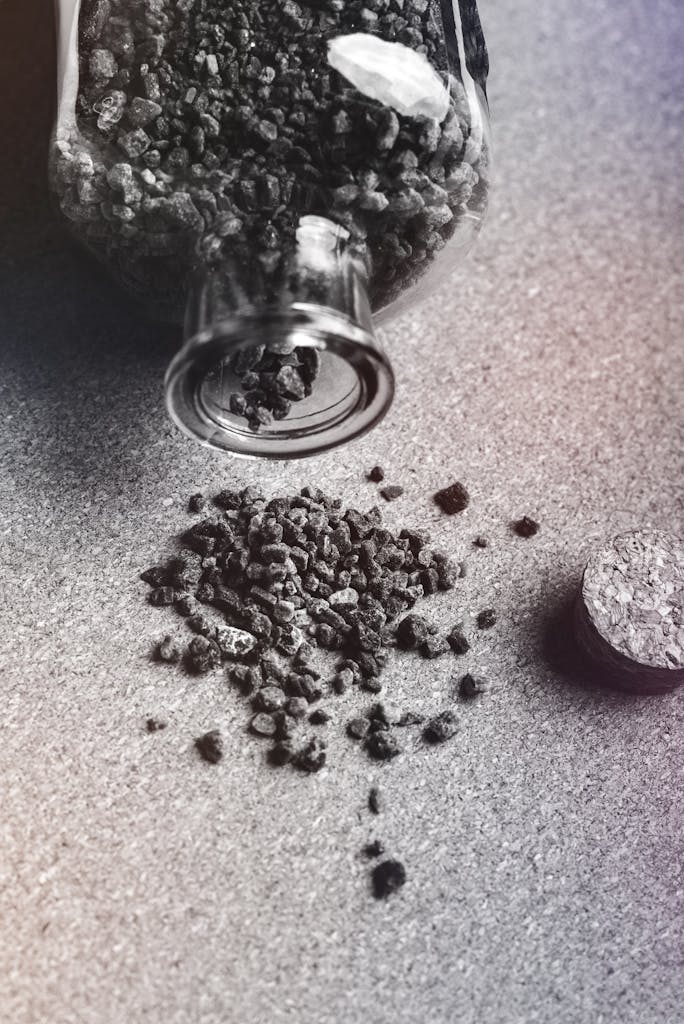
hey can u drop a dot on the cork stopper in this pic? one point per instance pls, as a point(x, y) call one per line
point(629, 613)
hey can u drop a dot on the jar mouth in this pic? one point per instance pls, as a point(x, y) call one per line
point(351, 392)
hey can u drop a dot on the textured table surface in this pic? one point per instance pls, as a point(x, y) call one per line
point(543, 845)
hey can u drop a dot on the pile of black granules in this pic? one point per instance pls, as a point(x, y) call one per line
point(207, 129)
point(266, 586)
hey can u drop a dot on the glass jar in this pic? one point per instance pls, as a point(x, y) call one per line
point(284, 175)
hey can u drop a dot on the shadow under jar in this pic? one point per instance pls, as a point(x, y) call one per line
point(282, 175)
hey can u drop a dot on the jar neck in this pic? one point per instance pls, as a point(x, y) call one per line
point(280, 357)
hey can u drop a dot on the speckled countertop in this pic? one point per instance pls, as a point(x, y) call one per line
point(543, 845)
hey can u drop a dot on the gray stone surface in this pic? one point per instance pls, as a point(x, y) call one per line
point(543, 845)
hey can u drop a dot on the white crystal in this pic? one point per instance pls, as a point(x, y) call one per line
point(391, 73)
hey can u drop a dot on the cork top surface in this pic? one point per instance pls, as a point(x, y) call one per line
point(633, 591)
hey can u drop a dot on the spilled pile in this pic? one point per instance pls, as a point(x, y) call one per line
point(266, 585)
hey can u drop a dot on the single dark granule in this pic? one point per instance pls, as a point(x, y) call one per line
point(162, 596)
point(434, 647)
point(210, 746)
point(452, 499)
point(486, 618)
point(203, 655)
point(154, 725)
point(297, 707)
point(412, 631)
point(457, 641)
point(319, 717)
point(311, 758)
point(263, 725)
point(382, 746)
point(391, 492)
point(281, 754)
point(358, 728)
point(374, 800)
point(168, 650)
point(388, 877)
point(440, 728)
point(377, 474)
point(471, 686)
point(481, 542)
point(197, 503)
point(525, 527)
point(269, 698)
point(374, 849)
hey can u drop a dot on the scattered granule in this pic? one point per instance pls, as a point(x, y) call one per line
point(210, 746)
point(458, 641)
point(525, 527)
point(154, 725)
point(391, 492)
point(197, 503)
point(471, 686)
point(486, 618)
point(374, 800)
point(440, 728)
point(373, 849)
point(168, 650)
point(452, 499)
point(387, 877)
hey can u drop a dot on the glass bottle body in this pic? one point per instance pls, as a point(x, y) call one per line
point(286, 148)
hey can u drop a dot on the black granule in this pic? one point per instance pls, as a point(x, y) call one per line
point(373, 849)
point(457, 641)
point(377, 474)
point(319, 717)
point(412, 631)
point(382, 746)
point(440, 728)
point(156, 576)
point(374, 801)
point(525, 527)
point(263, 725)
point(210, 746)
point(358, 728)
point(197, 503)
point(162, 596)
point(434, 647)
point(452, 499)
point(187, 605)
point(391, 492)
point(387, 877)
point(281, 754)
point(168, 650)
point(154, 725)
point(269, 699)
point(471, 686)
point(202, 655)
point(486, 618)
point(481, 542)
point(312, 757)
point(297, 707)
